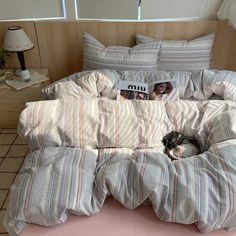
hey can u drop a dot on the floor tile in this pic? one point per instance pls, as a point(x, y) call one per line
point(9, 131)
point(3, 194)
point(7, 138)
point(6, 180)
point(17, 151)
point(19, 140)
point(2, 214)
point(3, 150)
point(11, 164)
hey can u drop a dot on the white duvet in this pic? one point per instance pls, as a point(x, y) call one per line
point(199, 85)
point(86, 148)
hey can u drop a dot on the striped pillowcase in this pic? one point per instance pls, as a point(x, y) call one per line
point(139, 57)
point(182, 55)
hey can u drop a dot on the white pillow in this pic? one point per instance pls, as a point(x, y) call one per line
point(183, 55)
point(139, 57)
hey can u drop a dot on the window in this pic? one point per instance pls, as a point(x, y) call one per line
point(114, 10)
point(153, 9)
point(32, 9)
point(107, 9)
point(162, 9)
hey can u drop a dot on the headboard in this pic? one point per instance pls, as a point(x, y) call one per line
point(59, 45)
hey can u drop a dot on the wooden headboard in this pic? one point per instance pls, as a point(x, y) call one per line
point(59, 45)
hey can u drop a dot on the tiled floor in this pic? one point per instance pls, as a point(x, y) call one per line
point(12, 154)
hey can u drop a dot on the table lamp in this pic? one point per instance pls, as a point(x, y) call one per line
point(17, 41)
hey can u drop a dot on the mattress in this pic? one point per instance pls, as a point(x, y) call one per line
point(115, 220)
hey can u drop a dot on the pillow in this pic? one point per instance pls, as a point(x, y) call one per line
point(182, 55)
point(139, 57)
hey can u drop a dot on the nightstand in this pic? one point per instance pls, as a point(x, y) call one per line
point(12, 102)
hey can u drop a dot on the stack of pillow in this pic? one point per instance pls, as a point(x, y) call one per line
point(149, 54)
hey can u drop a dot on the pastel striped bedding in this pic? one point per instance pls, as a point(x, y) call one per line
point(221, 83)
point(90, 84)
point(94, 123)
point(139, 57)
point(183, 55)
point(200, 85)
point(84, 150)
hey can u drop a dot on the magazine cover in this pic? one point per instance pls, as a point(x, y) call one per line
point(133, 90)
point(161, 90)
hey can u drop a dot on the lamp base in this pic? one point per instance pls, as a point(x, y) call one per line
point(23, 74)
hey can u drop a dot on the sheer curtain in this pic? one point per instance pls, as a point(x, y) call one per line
point(30, 9)
point(159, 9)
point(107, 9)
point(228, 12)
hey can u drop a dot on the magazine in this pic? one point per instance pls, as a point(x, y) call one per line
point(159, 90)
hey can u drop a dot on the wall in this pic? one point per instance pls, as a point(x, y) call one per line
point(59, 45)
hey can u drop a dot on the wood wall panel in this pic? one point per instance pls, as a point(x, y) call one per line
point(232, 57)
point(224, 48)
point(32, 57)
point(59, 45)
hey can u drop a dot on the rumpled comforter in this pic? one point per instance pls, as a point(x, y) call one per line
point(86, 149)
point(199, 85)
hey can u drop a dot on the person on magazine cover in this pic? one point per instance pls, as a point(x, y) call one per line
point(160, 89)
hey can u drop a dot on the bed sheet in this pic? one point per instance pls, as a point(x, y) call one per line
point(115, 220)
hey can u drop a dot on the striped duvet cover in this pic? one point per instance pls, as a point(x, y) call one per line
point(199, 85)
point(86, 149)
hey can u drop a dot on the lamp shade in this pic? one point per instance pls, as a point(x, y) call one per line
point(16, 40)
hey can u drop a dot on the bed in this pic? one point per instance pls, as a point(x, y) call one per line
point(87, 145)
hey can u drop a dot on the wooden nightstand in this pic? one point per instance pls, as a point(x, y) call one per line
point(12, 102)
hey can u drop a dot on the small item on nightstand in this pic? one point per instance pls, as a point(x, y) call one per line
point(2, 80)
point(23, 74)
point(6, 76)
point(18, 84)
point(9, 75)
